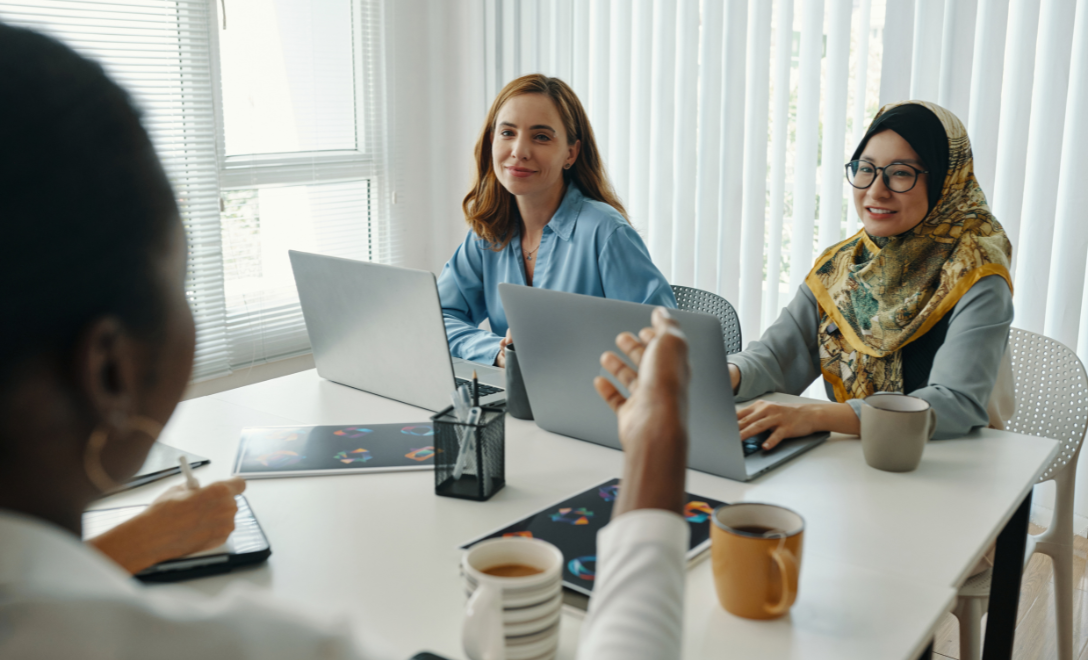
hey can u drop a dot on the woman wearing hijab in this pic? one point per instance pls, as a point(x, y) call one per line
point(542, 213)
point(919, 301)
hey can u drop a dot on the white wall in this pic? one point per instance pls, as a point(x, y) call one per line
point(437, 106)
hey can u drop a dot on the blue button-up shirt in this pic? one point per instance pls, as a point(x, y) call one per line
point(587, 248)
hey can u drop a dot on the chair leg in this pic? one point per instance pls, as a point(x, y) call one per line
point(1057, 542)
point(969, 613)
point(1062, 556)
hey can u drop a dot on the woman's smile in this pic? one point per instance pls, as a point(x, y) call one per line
point(519, 172)
point(880, 213)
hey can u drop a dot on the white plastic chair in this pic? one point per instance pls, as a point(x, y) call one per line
point(1051, 402)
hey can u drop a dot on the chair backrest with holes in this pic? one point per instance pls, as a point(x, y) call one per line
point(697, 300)
point(1051, 394)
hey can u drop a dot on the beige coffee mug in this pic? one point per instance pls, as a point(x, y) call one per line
point(895, 429)
point(755, 551)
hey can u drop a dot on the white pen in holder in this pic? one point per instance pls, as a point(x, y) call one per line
point(469, 451)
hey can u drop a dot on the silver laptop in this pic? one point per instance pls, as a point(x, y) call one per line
point(379, 329)
point(560, 338)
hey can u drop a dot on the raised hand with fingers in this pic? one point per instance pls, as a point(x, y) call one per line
point(653, 419)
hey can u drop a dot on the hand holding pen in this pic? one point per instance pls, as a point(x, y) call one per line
point(186, 518)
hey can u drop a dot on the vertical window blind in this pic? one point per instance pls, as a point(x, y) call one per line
point(714, 119)
point(271, 131)
point(724, 125)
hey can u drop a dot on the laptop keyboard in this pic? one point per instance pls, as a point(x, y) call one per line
point(750, 446)
point(485, 390)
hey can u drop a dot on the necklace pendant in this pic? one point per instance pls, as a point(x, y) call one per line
point(530, 257)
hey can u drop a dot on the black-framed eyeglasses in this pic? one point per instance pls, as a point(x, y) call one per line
point(898, 177)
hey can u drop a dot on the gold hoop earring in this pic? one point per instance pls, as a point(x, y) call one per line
point(92, 460)
point(146, 425)
point(92, 455)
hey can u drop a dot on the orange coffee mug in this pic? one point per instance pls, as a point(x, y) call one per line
point(756, 555)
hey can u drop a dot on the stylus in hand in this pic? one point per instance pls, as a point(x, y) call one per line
point(190, 481)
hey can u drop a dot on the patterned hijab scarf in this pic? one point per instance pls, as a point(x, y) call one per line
point(876, 295)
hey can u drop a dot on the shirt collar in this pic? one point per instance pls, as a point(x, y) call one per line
point(566, 216)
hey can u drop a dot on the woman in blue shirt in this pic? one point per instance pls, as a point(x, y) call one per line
point(542, 213)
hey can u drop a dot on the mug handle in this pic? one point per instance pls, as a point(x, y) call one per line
point(787, 572)
point(482, 632)
point(932, 423)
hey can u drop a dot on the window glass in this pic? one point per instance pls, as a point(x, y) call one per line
point(287, 76)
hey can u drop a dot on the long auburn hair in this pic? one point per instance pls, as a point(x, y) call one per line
point(489, 208)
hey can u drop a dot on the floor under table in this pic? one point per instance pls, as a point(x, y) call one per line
point(1036, 631)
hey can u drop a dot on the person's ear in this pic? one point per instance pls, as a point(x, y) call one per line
point(109, 374)
point(572, 153)
point(106, 369)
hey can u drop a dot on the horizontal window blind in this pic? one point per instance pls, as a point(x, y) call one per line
point(159, 51)
point(299, 89)
point(259, 227)
point(302, 147)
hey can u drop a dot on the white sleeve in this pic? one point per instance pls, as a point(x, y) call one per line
point(177, 624)
point(637, 609)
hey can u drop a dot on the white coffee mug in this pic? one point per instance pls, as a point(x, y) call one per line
point(512, 618)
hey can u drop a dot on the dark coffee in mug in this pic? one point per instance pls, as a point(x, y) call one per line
point(756, 554)
point(758, 530)
point(512, 570)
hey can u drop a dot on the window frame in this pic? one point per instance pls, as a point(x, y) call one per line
point(297, 167)
point(365, 163)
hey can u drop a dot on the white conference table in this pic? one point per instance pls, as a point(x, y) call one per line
point(882, 557)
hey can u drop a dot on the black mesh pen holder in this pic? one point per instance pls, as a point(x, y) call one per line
point(483, 468)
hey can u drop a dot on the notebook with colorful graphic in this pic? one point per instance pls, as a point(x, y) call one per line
point(572, 526)
point(297, 451)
